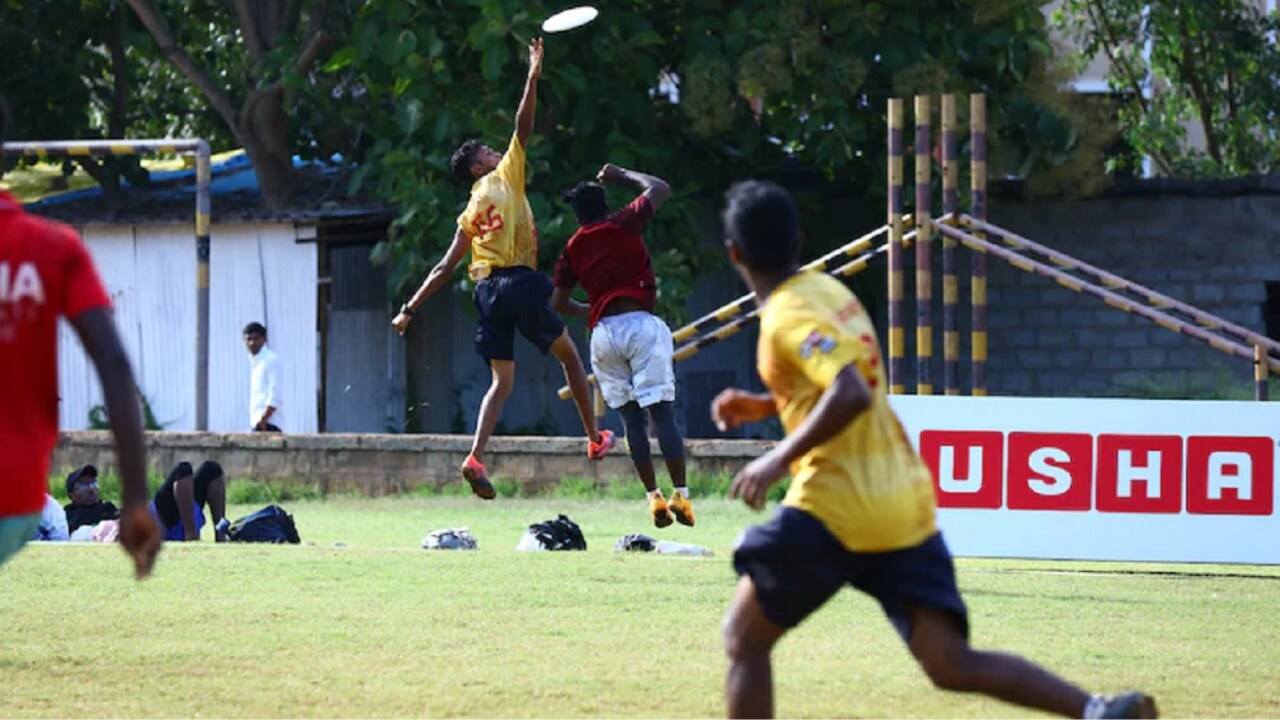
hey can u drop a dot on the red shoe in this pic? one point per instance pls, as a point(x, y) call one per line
point(478, 478)
point(597, 450)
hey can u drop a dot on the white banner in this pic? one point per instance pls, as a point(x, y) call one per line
point(1102, 479)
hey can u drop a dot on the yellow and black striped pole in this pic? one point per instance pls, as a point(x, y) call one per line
point(731, 310)
point(199, 148)
point(978, 208)
point(924, 245)
point(203, 215)
point(1260, 373)
point(852, 267)
point(1110, 297)
point(950, 284)
point(1115, 282)
point(897, 344)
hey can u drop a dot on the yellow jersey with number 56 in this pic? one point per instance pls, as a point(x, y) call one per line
point(867, 484)
point(498, 218)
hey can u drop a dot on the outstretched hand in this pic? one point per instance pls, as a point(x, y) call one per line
point(610, 173)
point(535, 58)
point(140, 537)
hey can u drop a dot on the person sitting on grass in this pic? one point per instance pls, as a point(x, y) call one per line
point(179, 503)
point(53, 522)
point(87, 506)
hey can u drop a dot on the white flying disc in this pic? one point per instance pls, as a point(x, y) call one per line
point(570, 19)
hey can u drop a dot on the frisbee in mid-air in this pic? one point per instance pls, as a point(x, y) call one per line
point(570, 19)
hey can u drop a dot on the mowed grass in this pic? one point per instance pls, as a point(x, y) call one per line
point(378, 628)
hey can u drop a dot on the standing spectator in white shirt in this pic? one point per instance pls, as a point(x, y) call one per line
point(265, 387)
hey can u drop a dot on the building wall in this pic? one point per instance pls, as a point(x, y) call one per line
point(257, 272)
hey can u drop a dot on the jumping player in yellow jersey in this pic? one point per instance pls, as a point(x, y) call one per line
point(510, 294)
point(860, 509)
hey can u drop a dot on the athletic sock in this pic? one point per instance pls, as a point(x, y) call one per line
point(683, 490)
point(654, 493)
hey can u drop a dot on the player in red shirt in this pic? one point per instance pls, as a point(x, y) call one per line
point(631, 348)
point(45, 273)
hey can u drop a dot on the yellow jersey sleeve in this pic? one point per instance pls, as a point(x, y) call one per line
point(817, 348)
point(466, 219)
point(512, 166)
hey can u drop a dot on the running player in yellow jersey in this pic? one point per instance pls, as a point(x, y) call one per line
point(510, 294)
point(860, 509)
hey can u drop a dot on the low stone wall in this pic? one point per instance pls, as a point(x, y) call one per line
point(385, 464)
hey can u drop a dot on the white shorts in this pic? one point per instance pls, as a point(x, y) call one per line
point(632, 354)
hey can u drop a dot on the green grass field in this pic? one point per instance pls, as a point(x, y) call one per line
point(363, 624)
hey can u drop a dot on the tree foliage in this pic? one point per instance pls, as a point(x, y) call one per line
point(248, 59)
point(85, 79)
point(1212, 61)
point(764, 87)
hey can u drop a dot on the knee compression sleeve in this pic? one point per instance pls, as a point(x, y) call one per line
point(664, 421)
point(637, 428)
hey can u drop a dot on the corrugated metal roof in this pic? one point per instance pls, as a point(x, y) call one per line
point(170, 198)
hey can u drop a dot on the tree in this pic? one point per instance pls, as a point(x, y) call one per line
point(273, 46)
point(1212, 61)
point(96, 80)
point(761, 87)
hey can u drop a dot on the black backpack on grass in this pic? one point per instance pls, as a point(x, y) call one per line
point(271, 524)
point(558, 534)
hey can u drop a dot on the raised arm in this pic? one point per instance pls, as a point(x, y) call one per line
point(654, 188)
point(436, 279)
point(529, 100)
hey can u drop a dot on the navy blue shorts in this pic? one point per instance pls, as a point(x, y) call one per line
point(797, 565)
point(511, 299)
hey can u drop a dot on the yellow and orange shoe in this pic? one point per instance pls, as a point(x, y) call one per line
point(478, 478)
point(658, 509)
point(597, 450)
point(682, 508)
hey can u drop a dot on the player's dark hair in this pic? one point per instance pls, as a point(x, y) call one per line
point(255, 328)
point(4, 120)
point(588, 202)
point(463, 158)
point(761, 220)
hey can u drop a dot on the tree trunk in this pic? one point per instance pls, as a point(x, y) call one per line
point(264, 131)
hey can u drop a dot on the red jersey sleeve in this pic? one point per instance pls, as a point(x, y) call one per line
point(563, 276)
point(84, 289)
point(634, 216)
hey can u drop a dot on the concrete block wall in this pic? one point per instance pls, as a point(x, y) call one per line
point(1216, 253)
point(384, 464)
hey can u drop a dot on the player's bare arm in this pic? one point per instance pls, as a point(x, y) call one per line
point(843, 401)
point(436, 279)
point(529, 101)
point(652, 186)
point(139, 534)
point(563, 302)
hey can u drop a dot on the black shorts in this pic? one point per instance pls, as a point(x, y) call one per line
point(797, 565)
point(513, 299)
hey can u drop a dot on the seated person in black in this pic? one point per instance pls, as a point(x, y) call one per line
point(179, 503)
point(87, 506)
